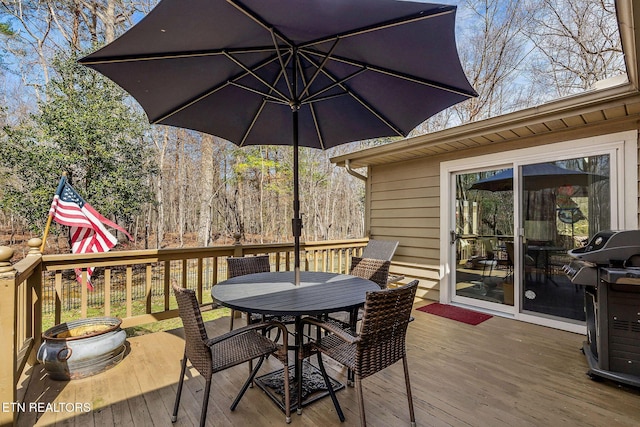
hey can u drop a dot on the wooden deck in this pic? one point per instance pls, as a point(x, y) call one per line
point(499, 373)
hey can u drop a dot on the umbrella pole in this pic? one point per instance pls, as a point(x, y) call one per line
point(296, 222)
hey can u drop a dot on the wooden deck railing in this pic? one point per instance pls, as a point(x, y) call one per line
point(132, 285)
point(20, 323)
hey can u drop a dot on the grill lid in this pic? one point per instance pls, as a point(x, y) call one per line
point(609, 247)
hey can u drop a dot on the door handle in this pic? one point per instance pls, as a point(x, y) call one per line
point(454, 236)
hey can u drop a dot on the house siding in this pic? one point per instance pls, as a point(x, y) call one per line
point(404, 205)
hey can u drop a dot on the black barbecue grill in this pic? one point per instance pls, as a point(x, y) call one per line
point(609, 268)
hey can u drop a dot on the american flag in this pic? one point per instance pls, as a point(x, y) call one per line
point(88, 228)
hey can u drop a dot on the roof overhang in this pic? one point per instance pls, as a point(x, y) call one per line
point(628, 15)
point(597, 111)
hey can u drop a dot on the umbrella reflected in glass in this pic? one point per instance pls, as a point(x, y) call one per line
point(549, 191)
point(537, 176)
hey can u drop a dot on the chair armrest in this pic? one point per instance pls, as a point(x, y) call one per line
point(331, 327)
point(262, 326)
point(395, 279)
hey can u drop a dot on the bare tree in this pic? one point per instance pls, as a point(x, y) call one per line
point(577, 44)
point(493, 52)
point(207, 178)
point(35, 22)
point(493, 55)
point(161, 150)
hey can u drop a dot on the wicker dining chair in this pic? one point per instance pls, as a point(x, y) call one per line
point(240, 266)
point(382, 249)
point(380, 343)
point(211, 355)
point(377, 271)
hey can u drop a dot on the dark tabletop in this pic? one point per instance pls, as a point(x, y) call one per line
point(276, 293)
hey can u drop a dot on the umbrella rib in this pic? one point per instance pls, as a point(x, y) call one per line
point(253, 122)
point(317, 127)
point(262, 105)
point(209, 92)
point(257, 77)
point(323, 98)
point(376, 113)
point(320, 68)
point(282, 64)
point(270, 97)
point(365, 104)
point(392, 73)
point(189, 103)
point(313, 111)
point(258, 20)
point(443, 10)
point(315, 96)
point(259, 92)
point(172, 55)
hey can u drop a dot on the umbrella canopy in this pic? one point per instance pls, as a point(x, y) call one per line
point(314, 73)
point(537, 177)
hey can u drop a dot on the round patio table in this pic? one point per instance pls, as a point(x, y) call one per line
point(276, 293)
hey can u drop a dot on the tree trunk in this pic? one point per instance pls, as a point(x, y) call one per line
point(110, 22)
point(180, 184)
point(207, 171)
point(162, 148)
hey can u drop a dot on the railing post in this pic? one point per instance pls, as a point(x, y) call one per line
point(237, 250)
point(35, 284)
point(8, 367)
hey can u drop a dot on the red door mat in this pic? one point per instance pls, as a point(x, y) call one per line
point(463, 315)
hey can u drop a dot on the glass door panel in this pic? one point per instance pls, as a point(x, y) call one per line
point(563, 203)
point(483, 235)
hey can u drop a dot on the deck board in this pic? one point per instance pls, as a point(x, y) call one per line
point(499, 373)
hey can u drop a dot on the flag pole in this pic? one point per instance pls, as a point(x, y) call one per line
point(50, 218)
point(46, 233)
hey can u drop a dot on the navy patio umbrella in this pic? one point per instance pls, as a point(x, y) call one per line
point(313, 73)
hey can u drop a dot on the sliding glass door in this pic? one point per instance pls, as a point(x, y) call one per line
point(563, 204)
point(514, 225)
point(484, 217)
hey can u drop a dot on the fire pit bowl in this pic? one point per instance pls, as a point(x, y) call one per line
point(82, 348)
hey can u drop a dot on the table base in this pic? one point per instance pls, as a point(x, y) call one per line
point(313, 386)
